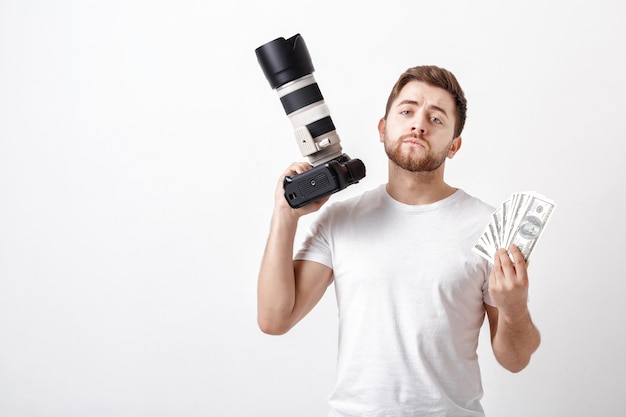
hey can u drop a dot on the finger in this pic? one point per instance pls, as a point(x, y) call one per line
point(313, 206)
point(298, 168)
point(495, 271)
point(497, 263)
point(516, 254)
point(498, 270)
point(503, 257)
point(506, 264)
point(519, 261)
point(293, 169)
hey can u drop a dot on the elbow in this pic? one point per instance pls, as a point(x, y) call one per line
point(517, 366)
point(272, 327)
point(513, 363)
point(519, 361)
point(515, 358)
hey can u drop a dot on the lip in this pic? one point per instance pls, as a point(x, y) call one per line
point(414, 141)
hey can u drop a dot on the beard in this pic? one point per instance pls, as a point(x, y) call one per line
point(426, 163)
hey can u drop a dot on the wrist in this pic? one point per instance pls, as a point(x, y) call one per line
point(285, 216)
point(515, 316)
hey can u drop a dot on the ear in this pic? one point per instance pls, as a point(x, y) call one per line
point(455, 146)
point(381, 129)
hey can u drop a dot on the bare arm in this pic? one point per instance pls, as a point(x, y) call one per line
point(514, 337)
point(288, 290)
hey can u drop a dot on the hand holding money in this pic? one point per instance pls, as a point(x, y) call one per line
point(520, 221)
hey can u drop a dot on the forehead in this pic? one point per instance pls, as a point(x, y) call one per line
point(426, 94)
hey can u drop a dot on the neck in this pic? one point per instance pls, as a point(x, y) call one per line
point(417, 188)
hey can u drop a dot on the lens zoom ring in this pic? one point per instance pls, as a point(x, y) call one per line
point(301, 98)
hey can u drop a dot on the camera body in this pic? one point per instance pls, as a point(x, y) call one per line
point(288, 68)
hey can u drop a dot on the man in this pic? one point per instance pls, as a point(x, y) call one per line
point(411, 293)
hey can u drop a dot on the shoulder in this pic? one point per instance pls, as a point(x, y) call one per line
point(468, 214)
point(475, 204)
point(338, 213)
point(369, 200)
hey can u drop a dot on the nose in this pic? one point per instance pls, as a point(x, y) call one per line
point(418, 127)
point(418, 124)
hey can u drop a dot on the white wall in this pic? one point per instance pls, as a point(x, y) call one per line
point(139, 148)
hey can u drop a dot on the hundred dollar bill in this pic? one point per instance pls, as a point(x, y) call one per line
point(495, 227)
point(505, 213)
point(518, 206)
point(520, 220)
point(483, 249)
point(531, 223)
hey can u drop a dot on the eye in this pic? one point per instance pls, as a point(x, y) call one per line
point(405, 112)
point(436, 120)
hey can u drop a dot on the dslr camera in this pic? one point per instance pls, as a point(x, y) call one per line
point(287, 66)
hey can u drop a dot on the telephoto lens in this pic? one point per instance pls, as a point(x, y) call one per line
point(288, 68)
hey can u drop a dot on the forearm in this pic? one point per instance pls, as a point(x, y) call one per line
point(515, 341)
point(276, 285)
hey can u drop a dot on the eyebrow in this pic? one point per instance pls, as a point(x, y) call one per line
point(415, 103)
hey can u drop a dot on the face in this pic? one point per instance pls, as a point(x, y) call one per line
point(418, 133)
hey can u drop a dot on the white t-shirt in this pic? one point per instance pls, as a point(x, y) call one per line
point(410, 294)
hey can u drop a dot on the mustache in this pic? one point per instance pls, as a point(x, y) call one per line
point(413, 135)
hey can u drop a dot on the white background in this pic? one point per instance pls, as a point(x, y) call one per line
point(139, 148)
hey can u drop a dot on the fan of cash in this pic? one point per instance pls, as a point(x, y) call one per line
point(520, 220)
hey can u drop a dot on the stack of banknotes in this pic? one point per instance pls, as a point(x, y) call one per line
point(520, 220)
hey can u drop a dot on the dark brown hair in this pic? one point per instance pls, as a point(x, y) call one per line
point(437, 77)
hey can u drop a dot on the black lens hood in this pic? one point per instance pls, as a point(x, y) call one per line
point(284, 60)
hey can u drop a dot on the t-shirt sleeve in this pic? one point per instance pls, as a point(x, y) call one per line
point(315, 245)
point(486, 297)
